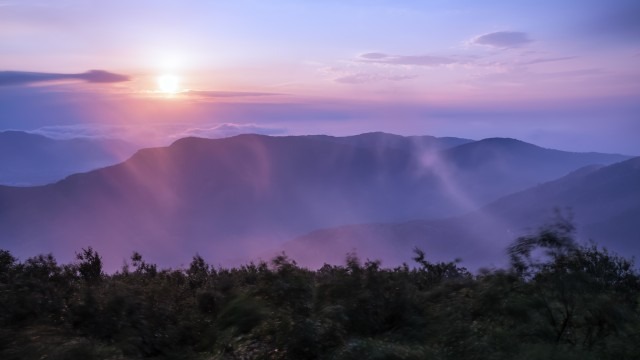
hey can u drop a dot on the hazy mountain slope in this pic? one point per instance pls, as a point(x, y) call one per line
point(29, 159)
point(605, 202)
point(234, 197)
point(512, 165)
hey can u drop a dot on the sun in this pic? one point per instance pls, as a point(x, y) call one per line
point(168, 84)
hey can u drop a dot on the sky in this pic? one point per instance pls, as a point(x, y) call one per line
point(560, 74)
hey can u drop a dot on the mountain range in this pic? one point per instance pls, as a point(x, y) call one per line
point(28, 159)
point(235, 198)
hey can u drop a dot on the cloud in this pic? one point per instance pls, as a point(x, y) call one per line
point(72, 131)
point(158, 135)
point(361, 78)
point(225, 94)
point(25, 77)
point(503, 39)
point(351, 75)
point(522, 77)
point(101, 76)
point(417, 60)
point(226, 130)
point(374, 56)
point(546, 60)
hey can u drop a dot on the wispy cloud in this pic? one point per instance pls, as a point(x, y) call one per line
point(25, 77)
point(357, 74)
point(227, 94)
point(503, 39)
point(361, 78)
point(416, 60)
point(522, 76)
point(546, 60)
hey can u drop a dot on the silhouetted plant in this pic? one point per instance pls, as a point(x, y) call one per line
point(90, 265)
point(557, 300)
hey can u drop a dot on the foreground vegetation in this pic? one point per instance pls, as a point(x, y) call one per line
point(558, 300)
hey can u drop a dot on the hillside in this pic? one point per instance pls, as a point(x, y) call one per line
point(604, 201)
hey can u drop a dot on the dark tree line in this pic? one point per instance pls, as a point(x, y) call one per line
point(558, 300)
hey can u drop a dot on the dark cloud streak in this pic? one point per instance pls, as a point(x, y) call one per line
point(8, 78)
point(547, 60)
point(503, 39)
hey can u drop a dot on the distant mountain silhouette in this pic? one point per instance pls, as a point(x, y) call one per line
point(511, 165)
point(605, 203)
point(233, 198)
point(29, 159)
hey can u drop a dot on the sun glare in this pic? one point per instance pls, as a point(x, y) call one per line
point(168, 84)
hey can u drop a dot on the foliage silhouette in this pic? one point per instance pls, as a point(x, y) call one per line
point(557, 300)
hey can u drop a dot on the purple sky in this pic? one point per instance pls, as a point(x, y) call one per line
point(560, 74)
